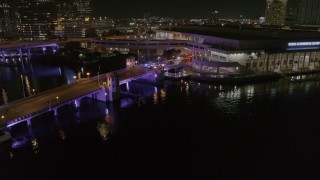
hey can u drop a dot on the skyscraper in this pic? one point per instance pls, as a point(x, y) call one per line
point(37, 18)
point(309, 12)
point(6, 21)
point(84, 8)
point(292, 12)
point(72, 9)
point(214, 17)
point(66, 9)
point(276, 12)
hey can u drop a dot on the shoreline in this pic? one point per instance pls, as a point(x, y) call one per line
point(245, 79)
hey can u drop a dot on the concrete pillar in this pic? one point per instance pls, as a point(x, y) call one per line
point(102, 95)
point(113, 87)
point(281, 61)
point(55, 111)
point(304, 59)
point(287, 61)
point(77, 103)
point(54, 49)
point(44, 50)
point(274, 61)
point(267, 63)
point(3, 56)
point(21, 55)
point(29, 121)
point(29, 53)
point(131, 62)
point(298, 61)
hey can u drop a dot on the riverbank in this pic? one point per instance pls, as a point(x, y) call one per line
point(239, 79)
point(301, 76)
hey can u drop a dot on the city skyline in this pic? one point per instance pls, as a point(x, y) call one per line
point(181, 9)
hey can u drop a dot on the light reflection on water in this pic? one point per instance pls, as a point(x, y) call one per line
point(218, 116)
point(36, 78)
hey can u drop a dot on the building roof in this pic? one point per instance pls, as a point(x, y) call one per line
point(248, 33)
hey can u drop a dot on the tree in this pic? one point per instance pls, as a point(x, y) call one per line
point(104, 34)
point(72, 45)
point(171, 53)
point(114, 32)
point(91, 32)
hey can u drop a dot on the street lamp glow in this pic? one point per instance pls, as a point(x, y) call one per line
point(2, 117)
point(88, 74)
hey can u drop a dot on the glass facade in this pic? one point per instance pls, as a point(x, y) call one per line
point(309, 12)
point(37, 19)
point(276, 12)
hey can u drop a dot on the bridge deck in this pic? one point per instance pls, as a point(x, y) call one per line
point(39, 103)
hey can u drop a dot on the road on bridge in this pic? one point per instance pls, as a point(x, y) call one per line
point(40, 102)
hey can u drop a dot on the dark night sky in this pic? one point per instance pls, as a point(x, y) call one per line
point(179, 8)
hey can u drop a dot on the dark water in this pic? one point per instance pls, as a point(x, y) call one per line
point(181, 130)
point(35, 78)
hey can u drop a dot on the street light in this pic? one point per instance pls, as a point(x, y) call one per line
point(33, 91)
point(57, 98)
point(88, 74)
point(75, 78)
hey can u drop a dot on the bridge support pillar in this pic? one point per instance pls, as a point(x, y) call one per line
point(29, 53)
point(113, 87)
point(102, 95)
point(21, 54)
point(158, 76)
point(54, 49)
point(44, 50)
point(131, 62)
point(77, 103)
point(55, 112)
point(29, 121)
point(3, 56)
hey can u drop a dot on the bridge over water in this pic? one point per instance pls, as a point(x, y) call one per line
point(104, 87)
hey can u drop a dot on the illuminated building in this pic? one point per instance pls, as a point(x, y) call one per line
point(276, 12)
point(214, 17)
point(309, 12)
point(227, 50)
point(6, 21)
point(37, 19)
point(74, 9)
point(84, 8)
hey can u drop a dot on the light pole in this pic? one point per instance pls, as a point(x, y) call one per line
point(88, 74)
point(23, 92)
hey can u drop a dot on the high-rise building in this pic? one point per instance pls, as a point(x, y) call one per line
point(309, 12)
point(37, 19)
point(276, 12)
point(66, 9)
point(292, 12)
point(73, 9)
point(84, 8)
point(214, 17)
point(6, 22)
